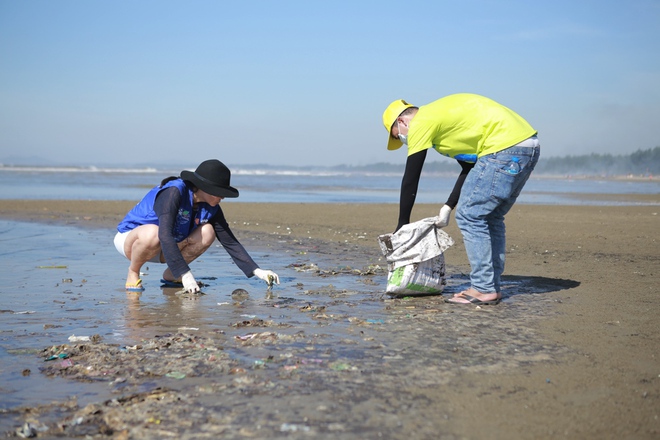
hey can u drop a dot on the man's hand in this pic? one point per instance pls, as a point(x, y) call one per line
point(268, 276)
point(189, 283)
point(443, 216)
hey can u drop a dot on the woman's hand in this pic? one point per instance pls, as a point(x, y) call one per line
point(268, 276)
point(189, 283)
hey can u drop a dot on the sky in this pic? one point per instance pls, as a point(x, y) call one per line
point(305, 83)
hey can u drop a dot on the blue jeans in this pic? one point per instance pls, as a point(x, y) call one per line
point(487, 195)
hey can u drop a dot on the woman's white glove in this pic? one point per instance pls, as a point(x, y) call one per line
point(443, 216)
point(268, 276)
point(189, 283)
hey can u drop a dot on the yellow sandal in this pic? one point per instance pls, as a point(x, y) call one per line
point(137, 287)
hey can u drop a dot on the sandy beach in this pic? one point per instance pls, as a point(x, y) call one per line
point(593, 372)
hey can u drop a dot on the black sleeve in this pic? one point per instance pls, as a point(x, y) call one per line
point(231, 244)
point(409, 184)
point(452, 201)
point(166, 207)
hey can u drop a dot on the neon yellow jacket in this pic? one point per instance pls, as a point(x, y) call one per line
point(465, 127)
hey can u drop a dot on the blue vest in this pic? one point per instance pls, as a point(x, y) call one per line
point(143, 213)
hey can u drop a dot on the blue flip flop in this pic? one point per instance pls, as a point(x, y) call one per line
point(168, 283)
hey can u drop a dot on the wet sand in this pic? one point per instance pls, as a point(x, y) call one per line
point(572, 351)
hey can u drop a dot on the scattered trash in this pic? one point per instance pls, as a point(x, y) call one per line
point(246, 337)
point(240, 294)
point(175, 356)
point(290, 427)
point(26, 431)
point(57, 356)
point(252, 323)
point(66, 363)
point(310, 308)
point(185, 294)
point(74, 338)
point(26, 312)
point(342, 366)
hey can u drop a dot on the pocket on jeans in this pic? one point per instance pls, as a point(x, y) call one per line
point(502, 160)
point(504, 184)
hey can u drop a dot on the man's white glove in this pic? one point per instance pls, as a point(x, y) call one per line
point(443, 216)
point(268, 276)
point(189, 283)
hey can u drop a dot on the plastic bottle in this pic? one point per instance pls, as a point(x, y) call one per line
point(514, 166)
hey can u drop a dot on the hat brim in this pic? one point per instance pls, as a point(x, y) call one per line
point(214, 190)
point(393, 144)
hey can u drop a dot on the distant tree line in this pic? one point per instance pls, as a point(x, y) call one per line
point(641, 162)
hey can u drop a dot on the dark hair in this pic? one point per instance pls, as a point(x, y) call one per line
point(409, 111)
point(406, 112)
point(167, 179)
point(171, 178)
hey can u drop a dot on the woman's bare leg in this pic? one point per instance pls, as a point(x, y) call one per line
point(193, 246)
point(141, 245)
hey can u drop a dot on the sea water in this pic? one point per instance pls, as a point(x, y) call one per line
point(300, 186)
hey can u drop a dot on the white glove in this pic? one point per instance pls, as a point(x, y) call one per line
point(268, 276)
point(443, 216)
point(189, 283)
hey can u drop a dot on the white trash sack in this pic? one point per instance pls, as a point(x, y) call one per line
point(415, 258)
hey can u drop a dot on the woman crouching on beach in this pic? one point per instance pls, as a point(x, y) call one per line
point(176, 222)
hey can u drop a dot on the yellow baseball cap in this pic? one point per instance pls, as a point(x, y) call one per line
point(389, 116)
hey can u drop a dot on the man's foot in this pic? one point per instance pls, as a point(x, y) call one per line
point(472, 296)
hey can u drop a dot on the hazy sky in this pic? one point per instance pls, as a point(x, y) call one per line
point(306, 82)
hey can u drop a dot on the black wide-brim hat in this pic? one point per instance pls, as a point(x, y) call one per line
point(212, 177)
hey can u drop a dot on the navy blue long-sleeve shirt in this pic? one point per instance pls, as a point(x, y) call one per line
point(166, 207)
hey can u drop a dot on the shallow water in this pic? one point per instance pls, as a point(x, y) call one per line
point(60, 281)
point(342, 354)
